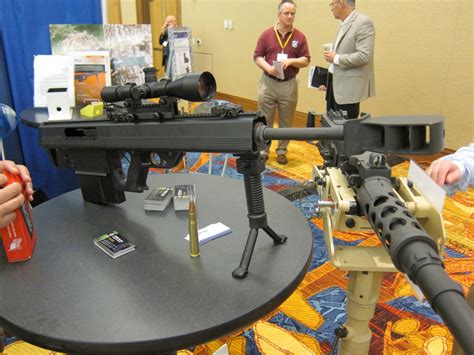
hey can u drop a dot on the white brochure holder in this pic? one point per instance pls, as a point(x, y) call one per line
point(58, 104)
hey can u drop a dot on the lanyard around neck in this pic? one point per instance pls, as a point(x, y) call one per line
point(283, 46)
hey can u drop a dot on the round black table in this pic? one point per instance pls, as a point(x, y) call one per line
point(72, 297)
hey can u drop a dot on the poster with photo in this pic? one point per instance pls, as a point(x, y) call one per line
point(74, 38)
point(180, 51)
point(129, 46)
point(131, 51)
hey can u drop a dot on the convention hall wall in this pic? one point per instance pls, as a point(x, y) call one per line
point(423, 53)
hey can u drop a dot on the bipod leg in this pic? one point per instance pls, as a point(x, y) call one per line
point(277, 238)
point(243, 268)
point(251, 166)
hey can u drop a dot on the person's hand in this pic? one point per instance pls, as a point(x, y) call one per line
point(10, 199)
point(444, 172)
point(322, 88)
point(286, 63)
point(11, 167)
point(329, 56)
point(272, 71)
point(165, 28)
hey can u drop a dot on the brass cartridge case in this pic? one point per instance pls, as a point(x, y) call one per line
point(193, 230)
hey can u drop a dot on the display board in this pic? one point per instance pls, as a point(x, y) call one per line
point(180, 61)
point(129, 47)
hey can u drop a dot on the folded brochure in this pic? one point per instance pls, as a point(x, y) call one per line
point(211, 232)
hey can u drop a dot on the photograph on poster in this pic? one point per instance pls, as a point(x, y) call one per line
point(129, 47)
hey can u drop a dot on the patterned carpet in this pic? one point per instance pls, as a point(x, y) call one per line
point(305, 323)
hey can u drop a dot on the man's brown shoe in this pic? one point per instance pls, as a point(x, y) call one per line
point(281, 159)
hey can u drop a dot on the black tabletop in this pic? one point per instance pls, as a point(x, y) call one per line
point(71, 296)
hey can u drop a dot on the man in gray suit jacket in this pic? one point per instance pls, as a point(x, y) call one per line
point(351, 72)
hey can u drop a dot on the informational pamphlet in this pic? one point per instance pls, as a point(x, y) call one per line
point(211, 232)
point(91, 74)
point(52, 72)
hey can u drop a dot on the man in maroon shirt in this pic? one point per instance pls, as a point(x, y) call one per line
point(281, 50)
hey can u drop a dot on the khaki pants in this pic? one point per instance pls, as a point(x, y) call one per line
point(281, 95)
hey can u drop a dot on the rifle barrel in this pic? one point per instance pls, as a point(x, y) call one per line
point(414, 252)
point(302, 134)
point(450, 304)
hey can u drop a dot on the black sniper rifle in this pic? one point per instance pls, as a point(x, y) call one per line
point(157, 135)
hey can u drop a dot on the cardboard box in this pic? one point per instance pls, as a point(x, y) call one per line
point(19, 237)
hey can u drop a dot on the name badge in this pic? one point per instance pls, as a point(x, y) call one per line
point(281, 57)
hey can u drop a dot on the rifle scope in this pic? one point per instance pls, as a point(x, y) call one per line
point(191, 87)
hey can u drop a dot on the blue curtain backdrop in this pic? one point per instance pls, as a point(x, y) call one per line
point(11, 143)
point(24, 32)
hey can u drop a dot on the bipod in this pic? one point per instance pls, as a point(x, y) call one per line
point(251, 167)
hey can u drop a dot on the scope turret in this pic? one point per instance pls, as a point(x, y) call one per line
point(191, 87)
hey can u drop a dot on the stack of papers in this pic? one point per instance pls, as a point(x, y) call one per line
point(182, 196)
point(114, 244)
point(158, 199)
